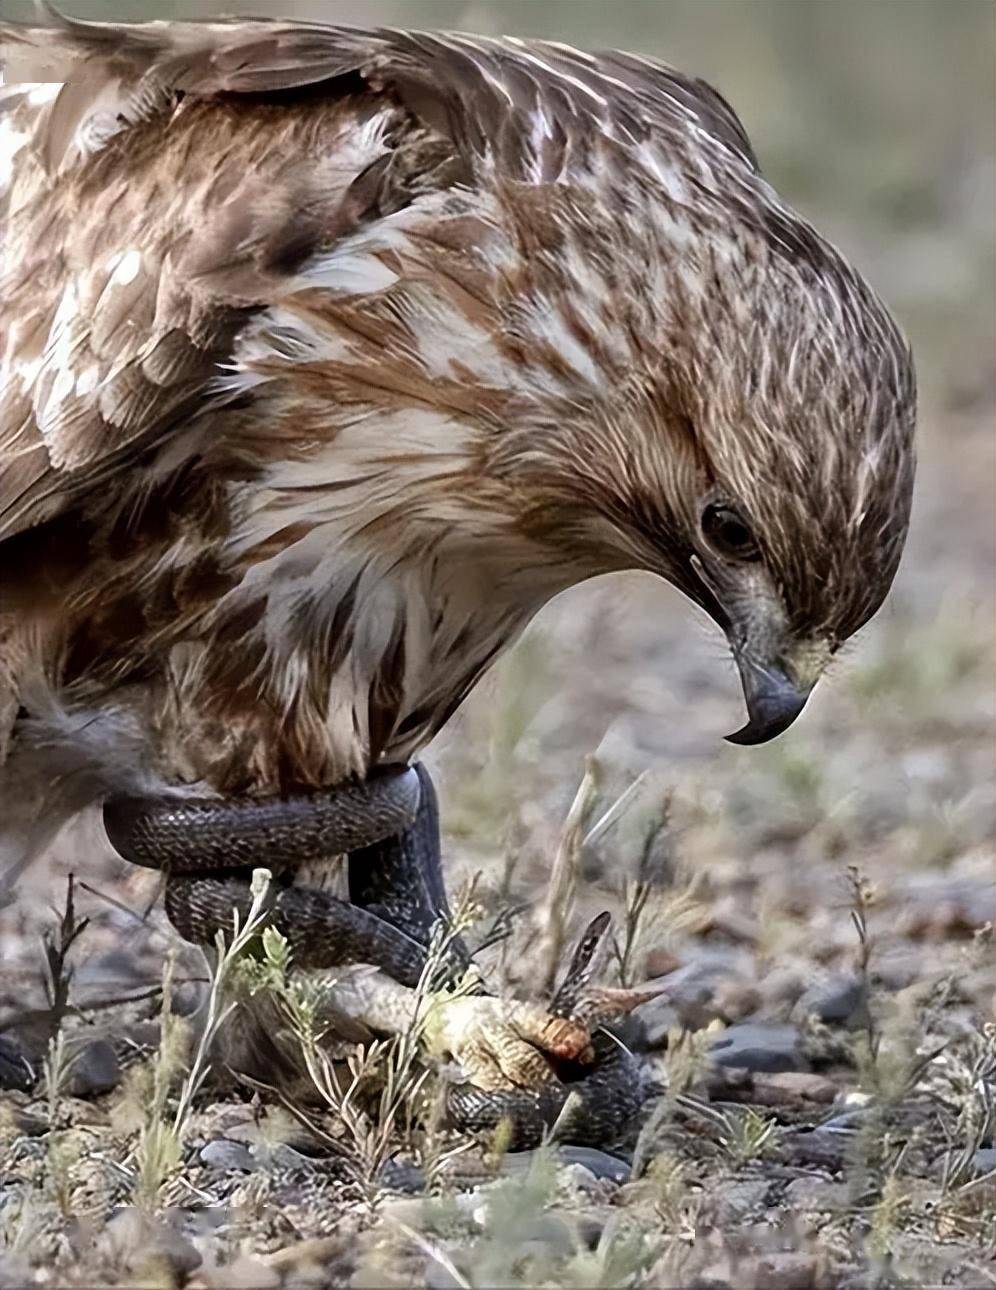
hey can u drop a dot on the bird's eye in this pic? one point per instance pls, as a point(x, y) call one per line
point(728, 533)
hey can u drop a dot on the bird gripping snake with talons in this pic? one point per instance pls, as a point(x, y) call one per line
point(524, 1060)
point(574, 1078)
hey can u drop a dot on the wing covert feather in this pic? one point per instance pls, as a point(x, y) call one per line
point(168, 188)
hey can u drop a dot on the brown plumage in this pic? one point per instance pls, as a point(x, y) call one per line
point(329, 356)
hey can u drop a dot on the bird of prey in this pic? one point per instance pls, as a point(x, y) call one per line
point(330, 356)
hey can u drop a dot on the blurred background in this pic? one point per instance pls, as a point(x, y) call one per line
point(876, 121)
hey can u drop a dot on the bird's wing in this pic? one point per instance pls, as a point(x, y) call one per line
point(135, 246)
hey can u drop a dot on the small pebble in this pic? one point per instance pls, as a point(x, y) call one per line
point(759, 1046)
point(789, 1088)
point(579, 1177)
point(731, 1202)
point(813, 1193)
point(16, 1071)
point(840, 999)
point(599, 1163)
point(94, 1069)
point(224, 1154)
point(984, 1161)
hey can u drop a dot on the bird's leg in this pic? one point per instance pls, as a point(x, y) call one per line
point(498, 1041)
point(400, 879)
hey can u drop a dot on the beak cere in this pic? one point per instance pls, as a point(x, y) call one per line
point(773, 703)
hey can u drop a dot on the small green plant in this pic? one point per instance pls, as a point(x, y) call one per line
point(641, 890)
point(160, 1143)
point(675, 1205)
point(862, 899)
point(686, 1060)
point(384, 1085)
point(522, 1240)
point(59, 971)
point(749, 1135)
point(59, 1054)
point(558, 905)
point(887, 1216)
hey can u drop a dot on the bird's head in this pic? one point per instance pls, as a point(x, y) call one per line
point(753, 444)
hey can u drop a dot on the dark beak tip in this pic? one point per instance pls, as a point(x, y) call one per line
point(746, 737)
point(771, 710)
point(755, 733)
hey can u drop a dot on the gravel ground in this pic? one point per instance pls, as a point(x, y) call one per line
point(818, 912)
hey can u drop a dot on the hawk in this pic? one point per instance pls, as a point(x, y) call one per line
point(330, 356)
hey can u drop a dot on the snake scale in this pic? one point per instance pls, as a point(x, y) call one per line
point(388, 826)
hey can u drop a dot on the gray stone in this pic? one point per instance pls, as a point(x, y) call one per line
point(784, 985)
point(979, 1164)
point(847, 1121)
point(439, 1277)
point(599, 1163)
point(580, 1178)
point(648, 1027)
point(732, 1202)
point(695, 994)
point(760, 1046)
point(546, 1234)
point(224, 1154)
point(791, 1088)
point(95, 1069)
point(16, 1071)
point(403, 1175)
point(696, 981)
point(15, 1271)
point(816, 1194)
point(984, 1161)
point(941, 904)
point(822, 1147)
point(839, 999)
point(187, 997)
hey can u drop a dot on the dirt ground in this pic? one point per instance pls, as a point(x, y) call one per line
point(821, 1063)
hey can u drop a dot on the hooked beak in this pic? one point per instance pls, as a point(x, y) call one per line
point(773, 703)
point(775, 691)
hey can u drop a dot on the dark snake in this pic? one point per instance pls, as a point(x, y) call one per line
point(208, 847)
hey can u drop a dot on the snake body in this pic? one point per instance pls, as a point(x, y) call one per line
point(191, 835)
point(207, 847)
point(609, 1094)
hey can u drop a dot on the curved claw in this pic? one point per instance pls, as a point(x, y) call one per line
point(503, 1044)
point(523, 1063)
point(500, 1043)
